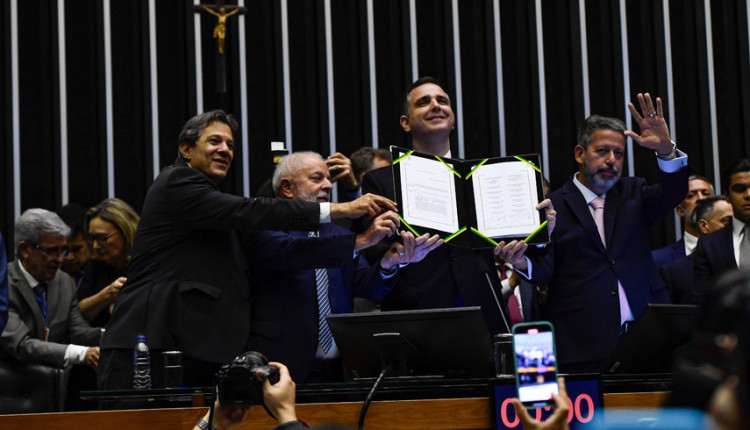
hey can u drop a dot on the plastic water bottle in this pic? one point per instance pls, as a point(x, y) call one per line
point(141, 365)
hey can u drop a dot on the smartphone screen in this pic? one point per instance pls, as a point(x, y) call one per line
point(536, 363)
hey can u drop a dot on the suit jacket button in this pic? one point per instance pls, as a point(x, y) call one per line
point(611, 261)
point(613, 292)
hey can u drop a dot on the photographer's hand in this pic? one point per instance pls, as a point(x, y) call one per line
point(280, 397)
point(225, 417)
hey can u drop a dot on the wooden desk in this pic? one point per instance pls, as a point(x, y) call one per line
point(137, 419)
point(440, 414)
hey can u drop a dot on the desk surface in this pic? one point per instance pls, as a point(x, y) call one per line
point(435, 414)
point(407, 404)
point(139, 419)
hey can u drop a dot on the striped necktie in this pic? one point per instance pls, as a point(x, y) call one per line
point(325, 338)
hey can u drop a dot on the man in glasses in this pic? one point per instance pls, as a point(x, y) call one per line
point(44, 323)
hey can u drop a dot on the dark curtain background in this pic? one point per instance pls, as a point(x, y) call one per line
point(39, 89)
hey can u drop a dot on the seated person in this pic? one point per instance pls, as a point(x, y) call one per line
point(78, 249)
point(44, 323)
point(699, 188)
point(298, 279)
point(710, 214)
point(110, 227)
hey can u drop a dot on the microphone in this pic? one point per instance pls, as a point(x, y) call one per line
point(497, 301)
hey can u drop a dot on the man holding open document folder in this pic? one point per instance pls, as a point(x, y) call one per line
point(449, 276)
point(600, 271)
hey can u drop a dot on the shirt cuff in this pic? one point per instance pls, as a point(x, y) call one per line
point(325, 213)
point(75, 354)
point(675, 164)
point(528, 273)
point(388, 274)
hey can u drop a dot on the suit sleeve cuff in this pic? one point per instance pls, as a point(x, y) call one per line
point(527, 275)
point(675, 164)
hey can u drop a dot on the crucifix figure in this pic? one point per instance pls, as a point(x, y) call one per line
point(221, 12)
point(220, 31)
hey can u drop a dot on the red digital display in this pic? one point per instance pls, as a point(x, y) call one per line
point(584, 400)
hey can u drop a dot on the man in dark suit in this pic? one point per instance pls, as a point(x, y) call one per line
point(44, 324)
point(187, 287)
point(711, 214)
point(723, 251)
point(288, 315)
point(451, 275)
point(698, 189)
point(599, 270)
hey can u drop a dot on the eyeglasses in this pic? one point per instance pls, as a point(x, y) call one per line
point(53, 252)
point(100, 239)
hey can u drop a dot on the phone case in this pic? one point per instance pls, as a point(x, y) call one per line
point(535, 358)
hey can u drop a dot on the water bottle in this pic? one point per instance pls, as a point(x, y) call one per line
point(141, 365)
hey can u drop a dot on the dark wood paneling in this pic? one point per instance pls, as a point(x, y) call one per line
point(264, 122)
point(38, 105)
point(87, 152)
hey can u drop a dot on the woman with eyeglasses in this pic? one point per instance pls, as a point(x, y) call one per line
point(110, 228)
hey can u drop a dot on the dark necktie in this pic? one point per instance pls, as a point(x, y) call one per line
point(745, 248)
point(325, 338)
point(40, 291)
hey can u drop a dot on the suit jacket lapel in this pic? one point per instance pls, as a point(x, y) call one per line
point(53, 296)
point(27, 294)
point(576, 203)
point(727, 246)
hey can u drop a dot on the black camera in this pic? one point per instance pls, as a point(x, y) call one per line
point(241, 381)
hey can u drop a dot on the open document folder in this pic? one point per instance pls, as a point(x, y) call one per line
point(474, 203)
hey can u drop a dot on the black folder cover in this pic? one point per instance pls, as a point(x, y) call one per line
point(495, 198)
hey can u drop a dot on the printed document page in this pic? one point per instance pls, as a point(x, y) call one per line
point(505, 197)
point(429, 193)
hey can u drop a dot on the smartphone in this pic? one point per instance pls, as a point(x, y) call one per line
point(535, 357)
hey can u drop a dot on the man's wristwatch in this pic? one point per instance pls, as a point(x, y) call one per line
point(671, 156)
point(203, 424)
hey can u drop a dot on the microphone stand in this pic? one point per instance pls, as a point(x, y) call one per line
point(497, 302)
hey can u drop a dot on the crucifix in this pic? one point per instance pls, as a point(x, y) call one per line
point(221, 12)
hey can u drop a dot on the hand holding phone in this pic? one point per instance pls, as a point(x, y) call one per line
point(557, 421)
point(535, 358)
